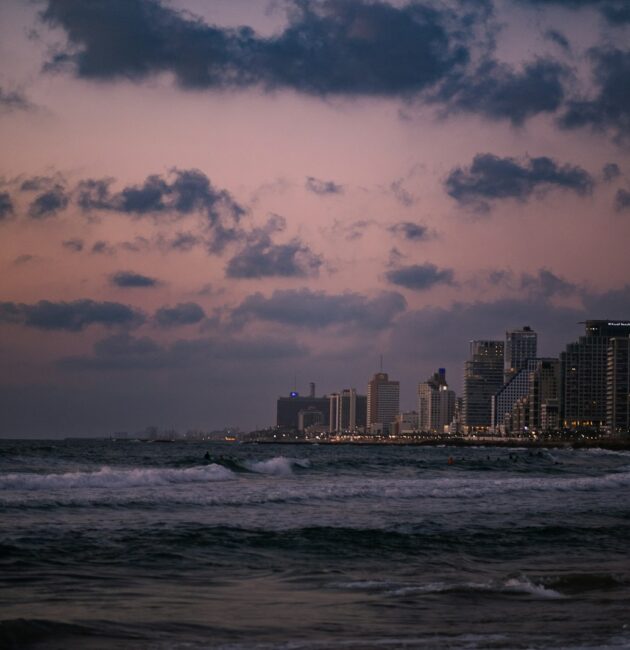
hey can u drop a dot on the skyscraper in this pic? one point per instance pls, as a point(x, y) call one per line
point(544, 388)
point(618, 386)
point(483, 377)
point(436, 403)
point(583, 370)
point(343, 410)
point(383, 400)
point(520, 345)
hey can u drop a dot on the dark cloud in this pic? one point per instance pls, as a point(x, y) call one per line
point(37, 184)
point(616, 12)
point(131, 280)
point(401, 194)
point(119, 352)
point(419, 277)
point(181, 193)
point(74, 245)
point(102, 247)
point(316, 309)
point(622, 200)
point(411, 231)
point(490, 177)
point(94, 194)
point(341, 46)
point(144, 199)
point(263, 259)
point(6, 205)
point(126, 352)
point(611, 171)
point(609, 109)
point(70, 316)
point(558, 38)
point(183, 241)
point(260, 257)
point(546, 284)
point(356, 229)
point(323, 187)
point(12, 100)
point(23, 259)
point(184, 313)
point(136, 245)
point(541, 285)
point(49, 203)
point(497, 91)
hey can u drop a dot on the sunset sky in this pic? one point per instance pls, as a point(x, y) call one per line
point(205, 201)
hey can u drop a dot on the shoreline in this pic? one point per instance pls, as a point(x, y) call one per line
point(608, 444)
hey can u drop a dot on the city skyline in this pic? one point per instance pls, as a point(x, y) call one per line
point(201, 200)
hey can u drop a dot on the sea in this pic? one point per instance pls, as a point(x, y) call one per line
point(136, 545)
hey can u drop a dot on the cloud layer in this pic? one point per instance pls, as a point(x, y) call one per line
point(491, 178)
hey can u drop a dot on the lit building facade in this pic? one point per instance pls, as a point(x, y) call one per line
point(520, 346)
point(618, 386)
point(436, 404)
point(483, 378)
point(383, 402)
point(343, 411)
point(544, 389)
point(583, 376)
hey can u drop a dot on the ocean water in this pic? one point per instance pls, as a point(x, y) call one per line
point(146, 545)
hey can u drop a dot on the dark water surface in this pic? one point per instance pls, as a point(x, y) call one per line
point(137, 545)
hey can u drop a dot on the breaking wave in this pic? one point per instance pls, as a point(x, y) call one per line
point(106, 477)
point(520, 585)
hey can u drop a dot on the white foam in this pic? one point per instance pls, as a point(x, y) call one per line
point(365, 585)
point(523, 585)
point(598, 451)
point(106, 477)
point(278, 466)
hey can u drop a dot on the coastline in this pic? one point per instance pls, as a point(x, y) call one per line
point(608, 444)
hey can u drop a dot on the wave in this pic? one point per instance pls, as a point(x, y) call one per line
point(48, 489)
point(600, 451)
point(520, 585)
point(278, 466)
point(106, 477)
point(192, 543)
point(225, 468)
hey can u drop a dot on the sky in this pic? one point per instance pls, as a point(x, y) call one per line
point(207, 204)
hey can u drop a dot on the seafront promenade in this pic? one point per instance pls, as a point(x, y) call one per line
point(615, 443)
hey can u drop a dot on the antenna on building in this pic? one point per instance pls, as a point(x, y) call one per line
point(381, 363)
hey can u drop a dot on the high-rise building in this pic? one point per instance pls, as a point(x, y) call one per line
point(343, 411)
point(618, 386)
point(538, 381)
point(288, 410)
point(483, 377)
point(383, 400)
point(583, 374)
point(436, 403)
point(520, 346)
point(516, 387)
point(361, 412)
point(544, 388)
